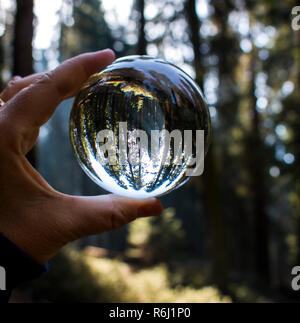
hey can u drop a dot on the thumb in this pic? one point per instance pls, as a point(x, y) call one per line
point(96, 214)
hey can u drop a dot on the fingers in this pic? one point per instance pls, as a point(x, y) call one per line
point(34, 105)
point(97, 214)
point(17, 84)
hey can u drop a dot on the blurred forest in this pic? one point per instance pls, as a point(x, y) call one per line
point(232, 234)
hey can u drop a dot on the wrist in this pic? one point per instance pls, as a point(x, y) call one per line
point(17, 266)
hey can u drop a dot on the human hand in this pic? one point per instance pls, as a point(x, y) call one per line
point(33, 215)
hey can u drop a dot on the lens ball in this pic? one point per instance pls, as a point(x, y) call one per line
point(140, 128)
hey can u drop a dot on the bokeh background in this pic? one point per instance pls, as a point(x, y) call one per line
point(231, 235)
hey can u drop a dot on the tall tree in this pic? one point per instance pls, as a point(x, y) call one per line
point(142, 43)
point(297, 135)
point(23, 35)
point(1, 61)
point(272, 222)
point(212, 203)
point(225, 47)
point(22, 44)
point(256, 157)
point(290, 117)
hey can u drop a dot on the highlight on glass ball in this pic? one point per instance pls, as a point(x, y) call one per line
point(140, 128)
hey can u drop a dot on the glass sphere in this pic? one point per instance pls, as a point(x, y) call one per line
point(127, 121)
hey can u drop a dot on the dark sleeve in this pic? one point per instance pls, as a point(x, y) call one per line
point(15, 268)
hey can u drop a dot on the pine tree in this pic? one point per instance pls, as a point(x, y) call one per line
point(212, 202)
point(22, 45)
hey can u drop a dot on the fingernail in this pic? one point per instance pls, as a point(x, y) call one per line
point(153, 209)
point(16, 77)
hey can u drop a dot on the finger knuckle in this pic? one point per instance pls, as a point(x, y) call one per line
point(9, 91)
point(11, 84)
point(45, 78)
point(48, 79)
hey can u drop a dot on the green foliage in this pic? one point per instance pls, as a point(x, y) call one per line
point(157, 239)
point(76, 277)
point(244, 294)
point(70, 279)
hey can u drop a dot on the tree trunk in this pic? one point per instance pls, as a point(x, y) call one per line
point(22, 58)
point(23, 35)
point(256, 172)
point(212, 203)
point(142, 43)
point(1, 62)
point(194, 27)
point(297, 186)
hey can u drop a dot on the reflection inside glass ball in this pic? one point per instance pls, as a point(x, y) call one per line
point(140, 128)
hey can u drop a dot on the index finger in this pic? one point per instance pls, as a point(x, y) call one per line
point(34, 105)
